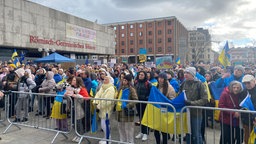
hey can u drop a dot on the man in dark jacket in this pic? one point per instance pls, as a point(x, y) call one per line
point(247, 119)
point(196, 96)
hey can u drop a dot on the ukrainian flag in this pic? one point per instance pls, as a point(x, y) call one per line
point(224, 57)
point(16, 62)
point(161, 117)
point(178, 60)
point(14, 54)
point(247, 103)
point(216, 93)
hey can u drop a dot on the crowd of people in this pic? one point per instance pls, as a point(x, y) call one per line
point(130, 82)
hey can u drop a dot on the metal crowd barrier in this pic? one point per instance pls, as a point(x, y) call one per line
point(212, 133)
point(34, 110)
point(82, 123)
point(113, 121)
point(2, 111)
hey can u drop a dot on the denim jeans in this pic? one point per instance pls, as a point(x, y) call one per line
point(195, 137)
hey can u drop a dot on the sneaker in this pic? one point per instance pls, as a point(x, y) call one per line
point(139, 136)
point(74, 139)
point(102, 142)
point(17, 120)
point(144, 137)
point(77, 139)
point(24, 120)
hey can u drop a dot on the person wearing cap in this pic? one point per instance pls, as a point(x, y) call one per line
point(214, 73)
point(229, 121)
point(125, 122)
point(166, 89)
point(248, 70)
point(248, 119)
point(107, 91)
point(227, 77)
point(25, 84)
point(196, 93)
point(173, 81)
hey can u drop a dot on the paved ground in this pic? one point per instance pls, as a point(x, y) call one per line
point(30, 135)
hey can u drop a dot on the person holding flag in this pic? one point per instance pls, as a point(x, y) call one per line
point(125, 120)
point(196, 93)
point(166, 89)
point(247, 119)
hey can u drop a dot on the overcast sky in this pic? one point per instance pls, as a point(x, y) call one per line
point(232, 20)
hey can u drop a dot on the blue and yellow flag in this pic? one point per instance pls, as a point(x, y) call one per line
point(216, 93)
point(247, 103)
point(22, 57)
point(177, 60)
point(161, 117)
point(16, 62)
point(224, 57)
point(14, 54)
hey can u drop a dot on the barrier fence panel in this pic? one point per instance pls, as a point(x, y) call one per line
point(218, 125)
point(42, 111)
point(118, 121)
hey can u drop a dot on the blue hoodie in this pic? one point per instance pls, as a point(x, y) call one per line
point(87, 84)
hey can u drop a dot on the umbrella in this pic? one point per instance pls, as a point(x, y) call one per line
point(107, 127)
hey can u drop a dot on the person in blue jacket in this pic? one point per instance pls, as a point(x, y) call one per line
point(173, 81)
point(227, 77)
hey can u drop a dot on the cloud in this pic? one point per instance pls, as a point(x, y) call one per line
point(225, 19)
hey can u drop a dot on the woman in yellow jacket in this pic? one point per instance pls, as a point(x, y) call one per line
point(107, 91)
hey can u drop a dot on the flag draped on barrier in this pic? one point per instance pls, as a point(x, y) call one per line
point(216, 92)
point(161, 117)
point(94, 127)
point(224, 57)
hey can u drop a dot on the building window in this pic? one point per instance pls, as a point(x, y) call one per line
point(114, 27)
point(150, 41)
point(131, 26)
point(131, 50)
point(169, 49)
point(169, 31)
point(150, 49)
point(169, 22)
point(169, 39)
point(140, 25)
point(159, 49)
point(159, 32)
point(140, 34)
point(122, 43)
point(159, 40)
point(115, 50)
point(208, 56)
point(159, 23)
point(131, 34)
point(122, 50)
point(149, 24)
point(114, 43)
point(122, 27)
point(149, 32)
point(131, 42)
point(115, 35)
point(122, 35)
point(141, 42)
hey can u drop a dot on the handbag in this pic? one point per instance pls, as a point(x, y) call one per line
point(129, 112)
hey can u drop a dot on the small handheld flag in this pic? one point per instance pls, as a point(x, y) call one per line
point(14, 54)
point(178, 60)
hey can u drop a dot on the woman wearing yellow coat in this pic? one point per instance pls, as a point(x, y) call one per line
point(107, 91)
